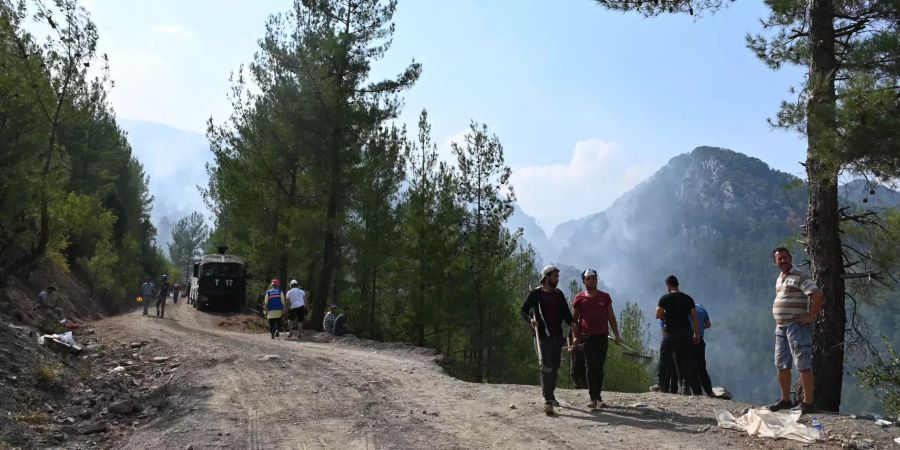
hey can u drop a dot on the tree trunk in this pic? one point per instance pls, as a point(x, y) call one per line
point(823, 219)
point(329, 250)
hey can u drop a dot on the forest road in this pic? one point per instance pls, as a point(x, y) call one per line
point(246, 390)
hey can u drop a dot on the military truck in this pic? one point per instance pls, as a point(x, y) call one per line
point(219, 282)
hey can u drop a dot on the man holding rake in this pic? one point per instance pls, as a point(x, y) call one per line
point(593, 316)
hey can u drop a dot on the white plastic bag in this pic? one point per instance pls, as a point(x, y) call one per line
point(67, 338)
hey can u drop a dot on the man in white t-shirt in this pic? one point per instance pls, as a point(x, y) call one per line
point(297, 300)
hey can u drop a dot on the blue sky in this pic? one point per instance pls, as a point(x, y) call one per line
point(586, 102)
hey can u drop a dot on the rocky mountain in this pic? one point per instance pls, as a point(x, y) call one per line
point(710, 216)
point(533, 233)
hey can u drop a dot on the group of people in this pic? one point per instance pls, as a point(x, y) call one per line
point(682, 362)
point(292, 304)
point(160, 293)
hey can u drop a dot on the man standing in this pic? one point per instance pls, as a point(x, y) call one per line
point(701, 382)
point(680, 314)
point(593, 316)
point(147, 291)
point(546, 309)
point(797, 303)
point(297, 300)
point(161, 297)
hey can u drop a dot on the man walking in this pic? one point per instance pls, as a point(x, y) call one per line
point(161, 297)
point(147, 291)
point(297, 301)
point(797, 303)
point(546, 308)
point(593, 316)
point(680, 314)
point(701, 382)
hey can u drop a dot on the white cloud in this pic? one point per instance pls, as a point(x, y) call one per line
point(145, 86)
point(597, 174)
point(177, 32)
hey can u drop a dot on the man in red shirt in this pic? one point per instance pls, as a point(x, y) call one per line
point(593, 316)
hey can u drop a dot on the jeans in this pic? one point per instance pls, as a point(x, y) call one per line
point(161, 303)
point(551, 353)
point(595, 348)
point(793, 344)
point(701, 379)
point(682, 348)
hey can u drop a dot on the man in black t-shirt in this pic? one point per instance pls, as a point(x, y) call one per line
point(678, 311)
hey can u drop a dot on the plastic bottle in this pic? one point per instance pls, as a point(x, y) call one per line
point(814, 422)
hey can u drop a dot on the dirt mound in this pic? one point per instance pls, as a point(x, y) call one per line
point(244, 323)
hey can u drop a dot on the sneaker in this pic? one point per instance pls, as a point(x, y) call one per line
point(655, 388)
point(554, 403)
point(601, 404)
point(804, 408)
point(779, 405)
point(548, 408)
point(592, 404)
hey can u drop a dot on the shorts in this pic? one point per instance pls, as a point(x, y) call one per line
point(793, 346)
point(298, 314)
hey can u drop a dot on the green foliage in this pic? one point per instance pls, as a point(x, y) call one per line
point(72, 193)
point(883, 376)
point(623, 374)
point(188, 238)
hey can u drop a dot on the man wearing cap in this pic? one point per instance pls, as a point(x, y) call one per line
point(593, 316)
point(546, 309)
point(297, 307)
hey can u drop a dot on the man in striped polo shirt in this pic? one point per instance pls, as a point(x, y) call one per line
point(797, 303)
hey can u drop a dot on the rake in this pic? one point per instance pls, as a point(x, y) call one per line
point(628, 352)
point(632, 355)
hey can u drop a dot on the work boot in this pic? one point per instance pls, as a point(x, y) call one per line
point(779, 405)
point(548, 408)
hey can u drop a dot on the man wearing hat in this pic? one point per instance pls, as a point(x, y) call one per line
point(546, 309)
point(594, 316)
point(297, 308)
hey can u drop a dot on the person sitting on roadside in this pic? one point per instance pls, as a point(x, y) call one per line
point(43, 301)
point(342, 323)
point(328, 321)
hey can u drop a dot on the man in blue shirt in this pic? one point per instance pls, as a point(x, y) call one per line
point(701, 380)
point(147, 291)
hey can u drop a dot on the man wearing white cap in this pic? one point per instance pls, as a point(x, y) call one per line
point(297, 300)
point(594, 316)
point(546, 309)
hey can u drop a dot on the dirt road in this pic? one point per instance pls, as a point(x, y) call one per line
point(239, 390)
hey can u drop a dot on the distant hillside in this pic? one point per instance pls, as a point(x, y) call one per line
point(175, 161)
